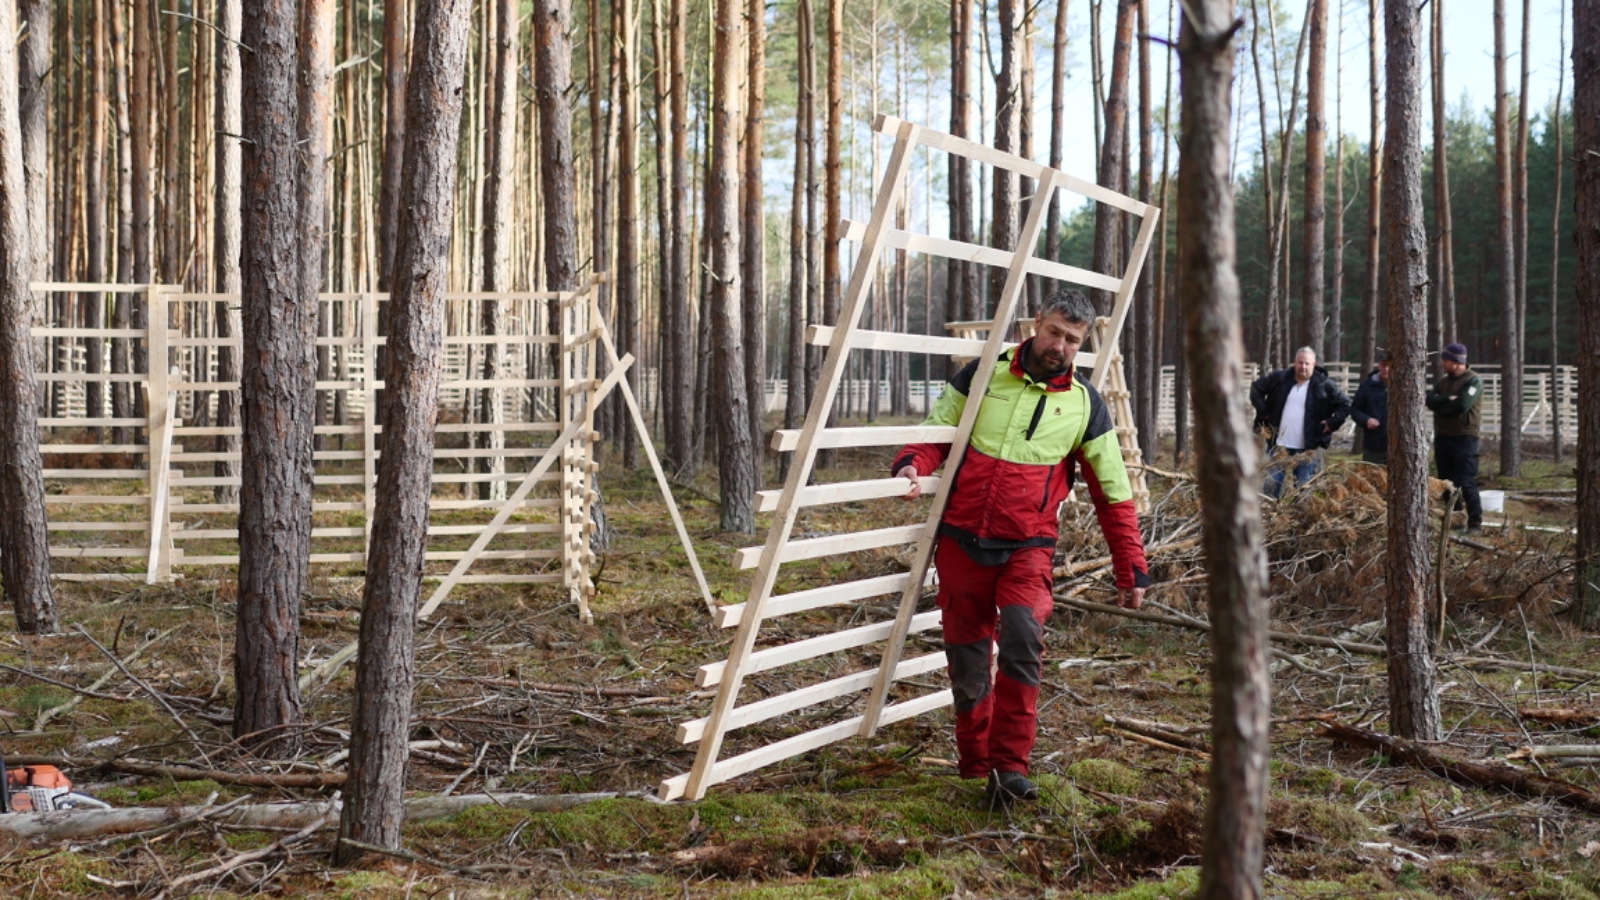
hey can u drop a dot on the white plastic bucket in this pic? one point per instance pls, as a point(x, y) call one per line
point(1493, 501)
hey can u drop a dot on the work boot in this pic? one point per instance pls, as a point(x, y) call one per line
point(1005, 787)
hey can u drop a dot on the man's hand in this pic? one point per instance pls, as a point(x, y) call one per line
point(1326, 429)
point(1371, 424)
point(910, 472)
point(1130, 598)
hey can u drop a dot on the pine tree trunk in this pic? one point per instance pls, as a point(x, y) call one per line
point(1107, 220)
point(277, 381)
point(1165, 298)
point(681, 344)
point(1519, 201)
point(795, 402)
point(1444, 252)
point(552, 20)
point(1146, 342)
point(961, 277)
point(386, 667)
point(24, 542)
point(1336, 344)
point(1313, 328)
point(1506, 262)
point(33, 94)
point(628, 212)
point(95, 209)
point(395, 53)
point(1227, 460)
point(226, 240)
point(1556, 416)
point(497, 235)
point(1371, 296)
point(1003, 218)
point(1586, 155)
point(752, 243)
point(1058, 90)
point(122, 309)
point(1413, 699)
point(735, 460)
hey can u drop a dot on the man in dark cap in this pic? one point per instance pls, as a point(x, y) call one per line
point(1456, 414)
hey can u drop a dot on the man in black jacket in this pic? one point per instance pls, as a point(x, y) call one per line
point(1300, 408)
point(1370, 411)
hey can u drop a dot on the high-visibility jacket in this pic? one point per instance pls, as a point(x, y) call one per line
point(1029, 440)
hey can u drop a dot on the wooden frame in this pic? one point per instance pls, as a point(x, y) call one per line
point(180, 528)
point(888, 694)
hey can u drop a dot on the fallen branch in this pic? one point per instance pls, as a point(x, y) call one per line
point(1158, 732)
point(184, 773)
point(1558, 751)
point(484, 871)
point(1482, 775)
point(76, 824)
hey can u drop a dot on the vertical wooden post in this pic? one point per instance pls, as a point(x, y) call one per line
point(369, 418)
point(158, 433)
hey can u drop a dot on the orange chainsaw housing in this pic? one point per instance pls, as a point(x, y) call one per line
point(19, 780)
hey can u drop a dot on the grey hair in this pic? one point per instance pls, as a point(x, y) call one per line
point(1069, 303)
point(1306, 350)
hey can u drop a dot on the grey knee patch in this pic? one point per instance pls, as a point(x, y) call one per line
point(1021, 644)
point(969, 673)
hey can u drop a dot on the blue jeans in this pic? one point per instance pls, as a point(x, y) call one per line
point(1305, 463)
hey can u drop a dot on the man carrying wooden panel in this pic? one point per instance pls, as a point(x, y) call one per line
point(1039, 421)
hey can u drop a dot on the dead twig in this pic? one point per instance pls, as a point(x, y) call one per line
point(105, 677)
point(240, 859)
point(154, 694)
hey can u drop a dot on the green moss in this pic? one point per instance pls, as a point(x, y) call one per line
point(1181, 884)
point(364, 884)
point(1119, 833)
point(1333, 822)
point(1105, 775)
point(480, 823)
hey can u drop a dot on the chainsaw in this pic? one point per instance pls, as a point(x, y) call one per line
point(38, 789)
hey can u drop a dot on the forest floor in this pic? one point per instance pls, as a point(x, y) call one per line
point(515, 695)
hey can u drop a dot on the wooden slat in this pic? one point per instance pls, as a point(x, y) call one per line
point(862, 339)
point(734, 766)
point(811, 648)
point(781, 704)
point(1000, 259)
point(785, 440)
point(812, 548)
point(847, 492)
point(828, 595)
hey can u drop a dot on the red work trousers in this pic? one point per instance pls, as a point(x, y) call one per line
point(1000, 607)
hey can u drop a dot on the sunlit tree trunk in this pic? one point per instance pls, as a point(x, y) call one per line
point(24, 541)
point(497, 237)
point(1371, 296)
point(96, 221)
point(1444, 252)
point(627, 280)
point(33, 89)
point(1555, 257)
point(1003, 214)
point(796, 400)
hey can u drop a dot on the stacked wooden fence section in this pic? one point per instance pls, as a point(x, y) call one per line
point(138, 436)
point(861, 670)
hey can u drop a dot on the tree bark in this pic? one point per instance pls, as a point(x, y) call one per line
point(1444, 251)
point(1107, 220)
point(679, 387)
point(1556, 435)
point(96, 223)
point(1007, 93)
point(795, 401)
point(277, 381)
point(735, 461)
point(1586, 155)
point(395, 45)
point(385, 668)
point(1506, 262)
point(553, 75)
point(497, 235)
point(752, 243)
point(1227, 460)
point(227, 237)
point(25, 541)
point(1413, 699)
point(1146, 341)
point(1372, 298)
point(122, 315)
point(627, 280)
point(33, 94)
point(1058, 90)
point(1519, 198)
point(1336, 344)
point(961, 278)
point(1313, 323)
